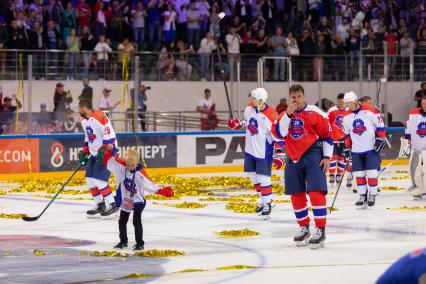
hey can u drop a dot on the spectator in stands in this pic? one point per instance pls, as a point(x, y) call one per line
point(4, 38)
point(282, 106)
point(243, 11)
point(420, 94)
point(166, 61)
point(269, 12)
point(182, 62)
point(69, 21)
point(203, 7)
point(154, 25)
point(70, 124)
point(279, 44)
point(207, 108)
point(321, 48)
point(391, 41)
point(1, 97)
point(37, 43)
point(306, 48)
point(407, 48)
point(139, 15)
point(207, 45)
point(169, 26)
point(102, 49)
point(292, 46)
point(193, 17)
point(87, 44)
point(106, 104)
point(125, 49)
point(44, 118)
point(262, 42)
point(73, 47)
point(53, 42)
point(353, 46)
point(248, 43)
point(8, 106)
point(87, 92)
point(100, 24)
point(338, 49)
point(83, 14)
point(43, 107)
point(233, 41)
point(343, 28)
point(61, 99)
point(17, 36)
point(141, 103)
point(181, 26)
point(53, 10)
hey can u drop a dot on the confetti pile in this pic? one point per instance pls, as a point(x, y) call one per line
point(243, 233)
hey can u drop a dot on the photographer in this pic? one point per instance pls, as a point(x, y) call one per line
point(141, 103)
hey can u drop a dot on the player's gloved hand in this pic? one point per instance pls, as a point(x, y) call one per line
point(347, 153)
point(102, 153)
point(379, 144)
point(340, 146)
point(279, 158)
point(166, 191)
point(83, 157)
point(235, 123)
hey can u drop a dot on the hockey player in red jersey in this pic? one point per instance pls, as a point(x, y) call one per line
point(365, 138)
point(338, 161)
point(98, 131)
point(309, 144)
point(261, 151)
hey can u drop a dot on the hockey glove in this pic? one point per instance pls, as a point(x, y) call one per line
point(166, 191)
point(279, 156)
point(83, 157)
point(235, 123)
point(379, 144)
point(340, 146)
point(347, 153)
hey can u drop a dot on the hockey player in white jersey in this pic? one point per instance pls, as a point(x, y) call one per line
point(365, 138)
point(261, 150)
point(414, 147)
point(98, 131)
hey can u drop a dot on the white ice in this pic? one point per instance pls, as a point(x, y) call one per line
point(360, 245)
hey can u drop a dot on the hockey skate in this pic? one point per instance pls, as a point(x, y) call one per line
point(362, 202)
point(108, 211)
point(95, 212)
point(318, 238)
point(338, 179)
point(302, 237)
point(138, 247)
point(120, 245)
point(332, 179)
point(371, 200)
point(266, 211)
point(259, 209)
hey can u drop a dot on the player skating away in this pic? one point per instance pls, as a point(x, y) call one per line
point(415, 136)
point(338, 161)
point(132, 182)
point(98, 131)
point(365, 138)
point(259, 150)
point(309, 144)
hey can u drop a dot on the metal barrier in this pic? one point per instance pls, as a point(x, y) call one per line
point(159, 66)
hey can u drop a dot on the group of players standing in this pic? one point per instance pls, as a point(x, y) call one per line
point(348, 138)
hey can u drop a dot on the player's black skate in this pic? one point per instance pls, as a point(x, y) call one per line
point(138, 247)
point(302, 237)
point(108, 211)
point(338, 179)
point(332, 179)
point(371, 200)
point(266, 211)
point(95, 212)
point(259, 209)
point(318, 238)
point(121, 245)
point(362, 202)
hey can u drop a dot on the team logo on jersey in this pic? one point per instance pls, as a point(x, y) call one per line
point(296, 129)
point(339, 122)
point(90, 135)
point(358, 127)
point(253, 126)
point(130, 185)
point(421, 129)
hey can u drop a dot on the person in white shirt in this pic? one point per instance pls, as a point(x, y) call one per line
point(102, 49)
point(207, 108)
point(106, 104)
point(169, 26)
point(138, 23)
point(207, 45)
point(233, 41)
point(343, 28)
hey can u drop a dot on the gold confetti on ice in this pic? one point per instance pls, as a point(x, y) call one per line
point(236, 267)
point(39, 252)
point(242, 207)
point(159, 253)
point(12, 216)
point(242, 233)
point(109, 254)
point(392, 188)
point(395, 178)
point(408, 208)
point(183, 205)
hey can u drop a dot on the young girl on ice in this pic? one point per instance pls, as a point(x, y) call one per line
point(132, 181)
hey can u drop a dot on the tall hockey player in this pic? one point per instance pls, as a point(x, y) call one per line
point(260, 145)
point(365, 138)
point(309, 144)
point(98, 131)
point(338, 161)
point(415, 142)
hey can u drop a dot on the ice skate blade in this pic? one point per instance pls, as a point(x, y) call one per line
point(316, 246)
point(109, 217)
point(266, 217)
point(303, 243)
point(97, 216)
point(361, 207)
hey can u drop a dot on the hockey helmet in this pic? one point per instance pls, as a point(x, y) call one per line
point(350, 97)
point(259, 94)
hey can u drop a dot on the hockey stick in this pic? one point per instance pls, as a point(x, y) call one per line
point(338, 188)
point(30, 219)
point(388, 165)
point(222, 69)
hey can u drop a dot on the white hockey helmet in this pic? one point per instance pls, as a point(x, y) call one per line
point(259, 94)
point(350, 97)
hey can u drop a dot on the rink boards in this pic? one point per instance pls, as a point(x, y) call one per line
point(163, 152)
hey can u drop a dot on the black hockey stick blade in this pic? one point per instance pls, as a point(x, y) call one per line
point(30, 219)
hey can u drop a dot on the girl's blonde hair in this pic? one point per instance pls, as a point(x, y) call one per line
point(132, 155)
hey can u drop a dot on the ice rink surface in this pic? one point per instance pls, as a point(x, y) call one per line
point(360, 245)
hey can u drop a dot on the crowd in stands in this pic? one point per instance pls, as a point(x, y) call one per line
point(180, 28)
